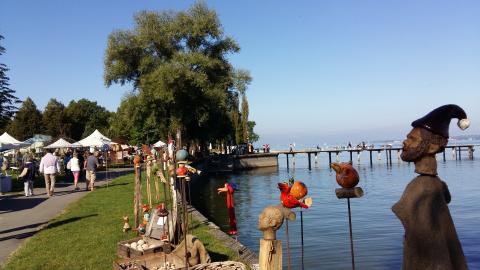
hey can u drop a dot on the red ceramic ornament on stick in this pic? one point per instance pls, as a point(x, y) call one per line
point(182, 170)
point(288, 200)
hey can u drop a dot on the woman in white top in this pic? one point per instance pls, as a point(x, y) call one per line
point(75, 168)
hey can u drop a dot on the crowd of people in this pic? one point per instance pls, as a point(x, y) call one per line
point(71, 163)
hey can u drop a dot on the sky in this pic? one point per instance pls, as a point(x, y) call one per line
point(323, 71)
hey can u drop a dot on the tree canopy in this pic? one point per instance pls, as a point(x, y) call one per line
point(8, 100)
point(183, 82)
point(27, 121)
point(84, 116)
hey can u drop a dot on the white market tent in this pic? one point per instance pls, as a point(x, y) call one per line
point(6, 138)
point(159, 144)
point(61, 143)
point(7, 142)
point(96, 139)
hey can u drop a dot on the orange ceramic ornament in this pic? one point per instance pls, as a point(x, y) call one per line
point(298, 190)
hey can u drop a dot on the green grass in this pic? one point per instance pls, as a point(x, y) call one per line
point(85, 235)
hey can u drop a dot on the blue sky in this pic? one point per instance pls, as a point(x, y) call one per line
point(323, 71)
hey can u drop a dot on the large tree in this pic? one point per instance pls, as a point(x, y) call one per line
point(55, 121)
point(27, 121)
point(182, 79)
point(7, 97)
point(84, 116)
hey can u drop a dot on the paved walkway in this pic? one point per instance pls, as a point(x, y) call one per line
point(21, 217)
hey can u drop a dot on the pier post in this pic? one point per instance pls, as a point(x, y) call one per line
point(351, 161)
point(390, 154)
point(337, 157)
point(358, 156)
point(386, 155)
point(316, 159)
point(371, 161)
point(293, 160)
point(444, 158)
point(460, 153)
point(309, 162)
point(329, 158)
point(288, 165)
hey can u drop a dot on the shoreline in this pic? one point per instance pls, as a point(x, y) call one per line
point(245, 254)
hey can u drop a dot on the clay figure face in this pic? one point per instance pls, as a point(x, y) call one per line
point(271, 218)
point(414, 147)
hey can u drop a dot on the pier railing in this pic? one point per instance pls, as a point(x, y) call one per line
point(456, 151)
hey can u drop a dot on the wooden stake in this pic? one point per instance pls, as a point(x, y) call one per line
point(270, 254)
point(137, 196)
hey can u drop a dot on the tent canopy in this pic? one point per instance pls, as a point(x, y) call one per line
point(160, 144)
point(61, 143)
point(38, 138)
point(7, 139)
point(96, 139)
point(7, 142)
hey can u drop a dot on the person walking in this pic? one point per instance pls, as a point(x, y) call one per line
point(49, 166)
point(28, 175)
point(75, 168)
point(91, 165)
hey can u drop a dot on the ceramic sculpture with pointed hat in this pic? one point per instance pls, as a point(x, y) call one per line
point(431, 240)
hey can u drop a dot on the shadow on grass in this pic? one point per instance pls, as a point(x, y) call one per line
point(217, 257)
point(66, 221)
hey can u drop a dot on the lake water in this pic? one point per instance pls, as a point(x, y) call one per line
point(378, 234)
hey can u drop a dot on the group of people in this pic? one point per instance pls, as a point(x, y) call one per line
point(50, 167)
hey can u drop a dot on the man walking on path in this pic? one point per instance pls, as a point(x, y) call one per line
point(49, 166)
point(91, 165)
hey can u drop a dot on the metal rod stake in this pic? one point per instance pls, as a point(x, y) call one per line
point(301, 232)
point(351, 235)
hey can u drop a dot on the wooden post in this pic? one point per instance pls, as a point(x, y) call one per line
point(351, 153)
point(316, 159)
point(460, 153)
point(288, 165)
point(137, 196)
point(293, 160)
point(270, 254)
point(309, 162)
point(444, 158)
point(371, 161)
point(329, 159)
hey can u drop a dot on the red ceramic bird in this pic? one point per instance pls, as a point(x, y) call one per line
point(347, 176)
point(287, 199)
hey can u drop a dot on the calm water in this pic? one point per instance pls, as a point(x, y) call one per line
point(377, 232)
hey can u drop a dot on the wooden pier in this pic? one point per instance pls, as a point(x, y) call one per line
point(456, 151)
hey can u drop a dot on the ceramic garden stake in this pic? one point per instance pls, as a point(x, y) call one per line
point(431, 241)
point(229, 189)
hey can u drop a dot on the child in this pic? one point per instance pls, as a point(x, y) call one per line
point(28, 175)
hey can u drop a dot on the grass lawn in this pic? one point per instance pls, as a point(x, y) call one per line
point(85, 235)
